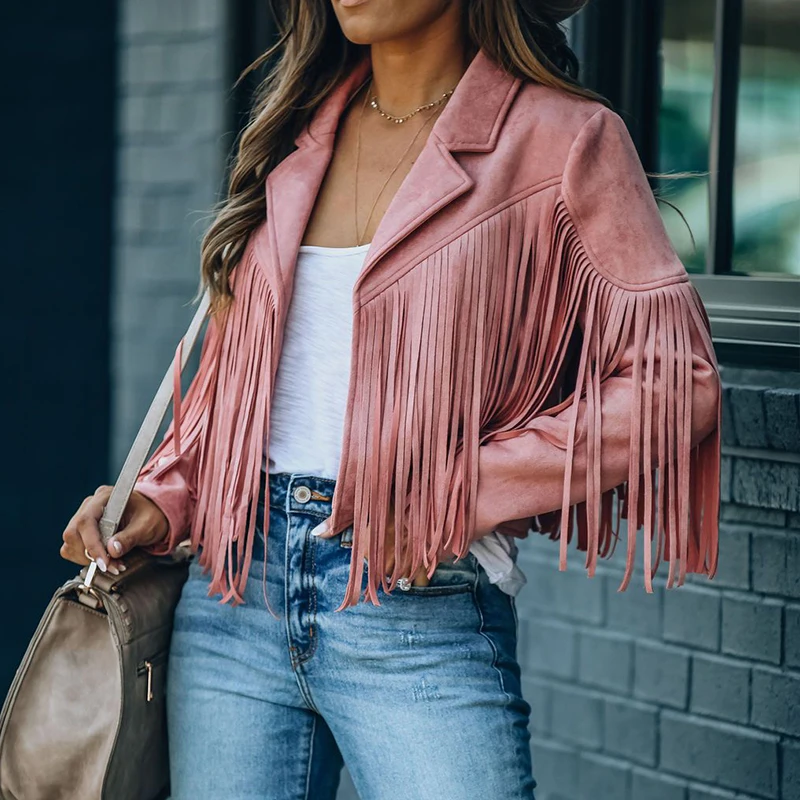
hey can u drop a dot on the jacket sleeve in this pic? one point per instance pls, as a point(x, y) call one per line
point(641, 426)
point(170, 476)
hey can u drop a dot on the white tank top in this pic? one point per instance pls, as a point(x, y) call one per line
point(310, 395)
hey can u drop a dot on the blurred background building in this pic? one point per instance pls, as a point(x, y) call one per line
point(117, 121)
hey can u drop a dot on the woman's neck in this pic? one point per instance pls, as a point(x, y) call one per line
point(411, 72)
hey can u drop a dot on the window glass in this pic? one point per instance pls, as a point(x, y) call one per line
point(767, 177)
point(684, 123)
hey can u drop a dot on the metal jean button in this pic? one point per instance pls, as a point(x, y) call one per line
point(302, 494)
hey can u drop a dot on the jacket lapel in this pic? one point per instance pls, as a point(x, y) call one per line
point(292, 187)
point(470, 122)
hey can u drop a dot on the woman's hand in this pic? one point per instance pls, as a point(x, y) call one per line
point(420, 579)
point(143, 523)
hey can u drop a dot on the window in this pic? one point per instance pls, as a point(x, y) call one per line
point(766, 186)
point(711, 88)
point(684, 125)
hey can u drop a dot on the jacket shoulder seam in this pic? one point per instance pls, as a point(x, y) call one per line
point(597, 264)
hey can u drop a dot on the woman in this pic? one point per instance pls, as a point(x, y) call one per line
point(445, 312)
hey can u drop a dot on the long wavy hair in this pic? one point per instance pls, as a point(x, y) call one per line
point(312, 55)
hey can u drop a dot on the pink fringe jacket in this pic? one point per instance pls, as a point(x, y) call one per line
point(527, 348)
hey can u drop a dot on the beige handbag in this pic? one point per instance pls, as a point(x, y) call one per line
point(85, 715)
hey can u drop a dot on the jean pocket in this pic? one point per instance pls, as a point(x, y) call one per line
point(450, 577)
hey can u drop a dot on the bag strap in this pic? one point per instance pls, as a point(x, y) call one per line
point(169, 388)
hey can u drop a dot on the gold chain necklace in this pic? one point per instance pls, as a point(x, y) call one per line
point(398, 120)
point(358, 152)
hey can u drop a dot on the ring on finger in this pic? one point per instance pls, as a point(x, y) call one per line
point(87, 554)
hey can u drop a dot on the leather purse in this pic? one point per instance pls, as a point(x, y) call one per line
point(85, 714)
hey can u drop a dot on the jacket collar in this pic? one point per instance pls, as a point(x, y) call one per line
point(470, 122)
point(463, 125)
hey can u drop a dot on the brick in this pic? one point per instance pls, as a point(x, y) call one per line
point(160, 164)
point(692, 617)
point(770, 484)
point(570, 595)
point(150, 263)
point(605, 660)
point(791, 636)
point(749, 419)
point(603, 778)
point(203, 15)
point(733, 569)
point(735, 376)
point(728, 430)
point(203, 110)
point(776, 563)
point(577, 717)
point(199, 61)
point(720, 688)
point(552, 648)
point(538, 598)
point(537, 695)
point(143, 64)
point(719, 753)
point(131, 215)
point(170, 211)
point(790, 759)
point(578, 596)
point(726, 479)
point(632, 611)
point(522, 641)
point(144, 18)
point(793, 521)
point(730, 512)
point(555, 769)
point(782, 409)
point(139, 114)
point(630, 731)
point(648, 785)
point(661, 674)
point(707, 793)
point(751, 627)
point(173, 114)
point(170, 17)
point(776, 701)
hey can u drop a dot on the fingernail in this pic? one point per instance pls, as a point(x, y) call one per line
point(113, 570)
point(122, 568)
point(102, 564)
point(116, 547)
point(320, 529)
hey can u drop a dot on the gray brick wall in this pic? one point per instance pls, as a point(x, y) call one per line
point(174, 83)
point(690, 693)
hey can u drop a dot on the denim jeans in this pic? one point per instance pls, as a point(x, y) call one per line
point(419, 696)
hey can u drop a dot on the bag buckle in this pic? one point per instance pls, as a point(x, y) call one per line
point(86, 588)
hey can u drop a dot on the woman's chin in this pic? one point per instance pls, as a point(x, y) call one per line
point(363, 32)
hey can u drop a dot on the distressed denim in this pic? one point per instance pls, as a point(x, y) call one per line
point(419, 696)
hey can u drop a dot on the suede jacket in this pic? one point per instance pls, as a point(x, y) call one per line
point(527, 349)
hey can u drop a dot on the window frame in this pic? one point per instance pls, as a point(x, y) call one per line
point(755, 317)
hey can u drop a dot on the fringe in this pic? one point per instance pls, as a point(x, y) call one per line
point(471, 344)
point(225, 415)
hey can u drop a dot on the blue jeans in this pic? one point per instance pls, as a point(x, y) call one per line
point(419, 696)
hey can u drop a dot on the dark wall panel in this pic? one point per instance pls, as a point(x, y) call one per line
point(57, 143)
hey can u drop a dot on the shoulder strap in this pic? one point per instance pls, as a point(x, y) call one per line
point(152, 421)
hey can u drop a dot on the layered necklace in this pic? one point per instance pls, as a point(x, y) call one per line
point(373, 102)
